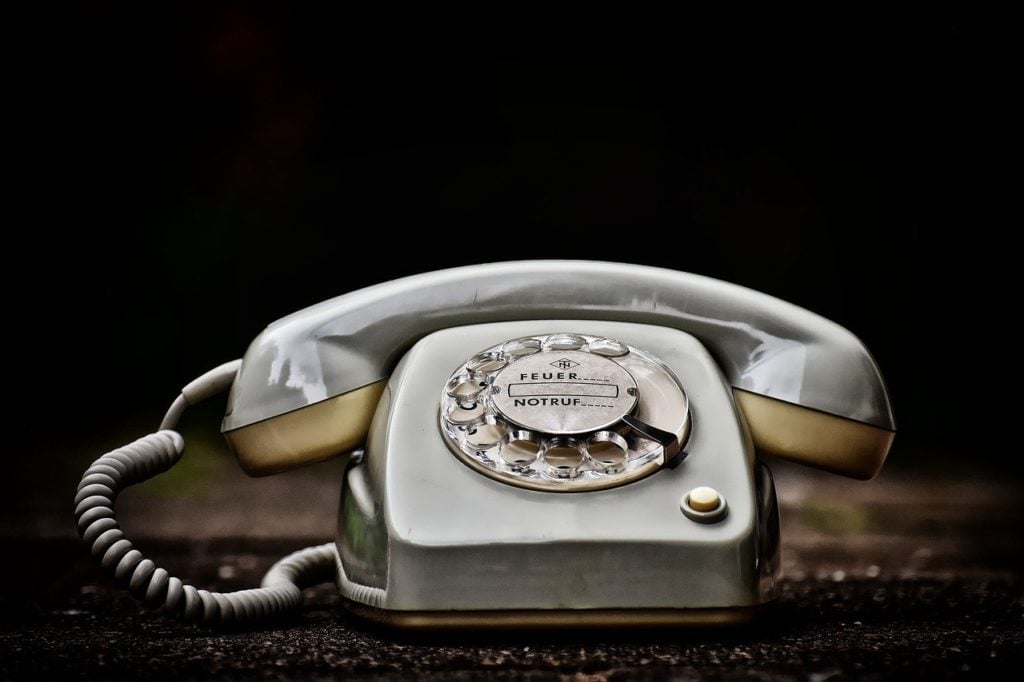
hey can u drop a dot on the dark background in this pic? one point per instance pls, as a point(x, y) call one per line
point(201, 171)
point(185, 174)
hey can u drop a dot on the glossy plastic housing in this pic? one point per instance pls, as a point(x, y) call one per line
point(420, 532)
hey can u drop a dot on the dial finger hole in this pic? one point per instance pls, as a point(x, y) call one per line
point(465, 414)
point(485, 363)
point(521, 347)
point(608, 450)
point(565, 342)
point(466, 390)
point(610, 348)
point(564, 457)
point(521, 449)
point(485, 435)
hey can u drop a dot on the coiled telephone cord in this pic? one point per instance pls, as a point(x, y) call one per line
point(281, 588)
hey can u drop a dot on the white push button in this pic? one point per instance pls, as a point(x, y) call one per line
point(703, 505)
point(704, 499)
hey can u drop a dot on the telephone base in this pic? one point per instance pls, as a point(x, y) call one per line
point(512, 619)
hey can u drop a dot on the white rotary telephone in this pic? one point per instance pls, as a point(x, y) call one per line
point(551, 443)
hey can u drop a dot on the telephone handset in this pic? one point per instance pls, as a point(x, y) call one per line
point(547, 442)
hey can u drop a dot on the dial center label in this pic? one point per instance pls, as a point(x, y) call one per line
point(564, 392)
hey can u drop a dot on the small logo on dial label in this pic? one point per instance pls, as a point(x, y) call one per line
point(564, 363)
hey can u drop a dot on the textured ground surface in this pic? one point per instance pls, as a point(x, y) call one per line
point(910, 575)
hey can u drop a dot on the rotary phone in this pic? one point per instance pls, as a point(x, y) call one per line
point(550, 443)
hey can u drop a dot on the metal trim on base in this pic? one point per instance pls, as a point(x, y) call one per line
point(510, 619)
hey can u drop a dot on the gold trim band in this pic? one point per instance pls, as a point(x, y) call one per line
point(311, 434)
point(817, 439)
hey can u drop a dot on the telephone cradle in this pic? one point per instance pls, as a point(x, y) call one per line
point(529, 444)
